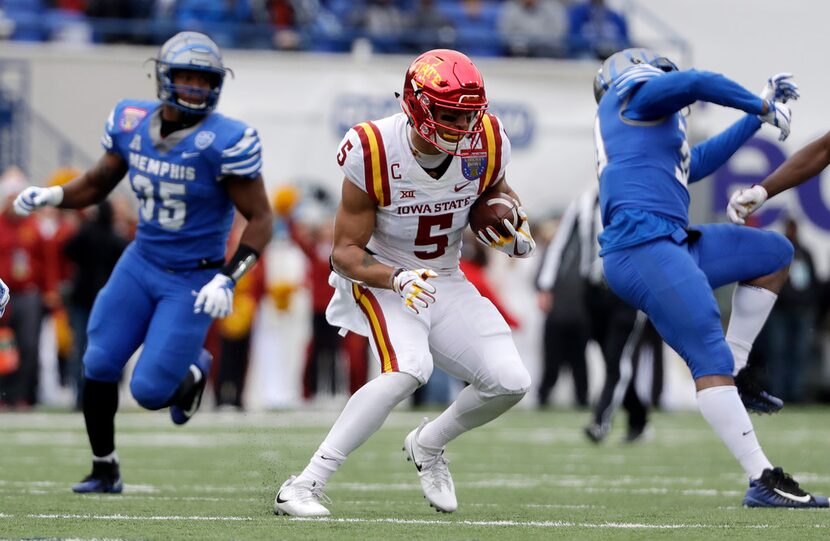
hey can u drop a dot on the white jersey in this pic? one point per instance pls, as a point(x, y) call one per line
point(420, 220)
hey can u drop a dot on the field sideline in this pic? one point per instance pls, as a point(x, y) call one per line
point(529, 475)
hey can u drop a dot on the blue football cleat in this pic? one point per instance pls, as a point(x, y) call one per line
point(104, 479)
point(777, 489)
point(181, 413)
point(753, 395)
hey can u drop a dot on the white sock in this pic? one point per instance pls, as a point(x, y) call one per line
point(751, 306)
point(364, 413)
point(723, 410)
point(112, 457)
point(469, 410)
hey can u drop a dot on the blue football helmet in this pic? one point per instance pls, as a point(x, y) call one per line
point(616, 64)
point(189, 51)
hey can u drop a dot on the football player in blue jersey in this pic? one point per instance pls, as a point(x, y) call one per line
point(659, 264)
point(4, 297)
point(189, 168)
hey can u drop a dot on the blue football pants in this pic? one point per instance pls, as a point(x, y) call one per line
point(672, 280)
point(143, 302)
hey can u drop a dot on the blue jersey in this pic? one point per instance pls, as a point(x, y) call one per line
point(644, 161)
point(185, 212)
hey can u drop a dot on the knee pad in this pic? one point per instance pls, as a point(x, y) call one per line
point(511, 378)
point(780, 248)
point(150, 394)
point(99, 366)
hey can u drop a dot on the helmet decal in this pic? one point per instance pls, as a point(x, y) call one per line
point(443, 80)
point(620, 62)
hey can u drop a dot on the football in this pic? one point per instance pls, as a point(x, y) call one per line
point(492, 211)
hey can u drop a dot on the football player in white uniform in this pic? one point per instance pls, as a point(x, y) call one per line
point(410, 180)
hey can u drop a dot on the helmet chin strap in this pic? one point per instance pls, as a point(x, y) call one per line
point(450, 146)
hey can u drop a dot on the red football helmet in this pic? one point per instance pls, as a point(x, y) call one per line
point(448, 80)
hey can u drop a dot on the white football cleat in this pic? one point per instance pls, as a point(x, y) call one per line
point(301, 499)
point(436, 481)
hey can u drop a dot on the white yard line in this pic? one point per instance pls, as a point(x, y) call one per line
point(414, 522)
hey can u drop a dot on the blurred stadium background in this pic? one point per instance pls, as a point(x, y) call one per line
point(307, 70)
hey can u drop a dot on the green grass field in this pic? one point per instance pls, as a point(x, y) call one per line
point(529, 475)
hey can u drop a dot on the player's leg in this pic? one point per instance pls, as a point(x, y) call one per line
point(470, 340)
point(117, 325)
point(173, 367)
point(398, 340)
point(758, 261)
point(662, 279)
point(621, 333)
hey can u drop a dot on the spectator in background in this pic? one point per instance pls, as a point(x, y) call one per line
point(57, 226)
point(127, 10)
point(384, 23)
point(430, 28)
point(788, 332)
point(595, 30)
point(560, 294)
point(93, 250)
point(311, 229)
point(235, 330)
point(475, 21)
point(219, 18)
point(535, 28)
point(27, 265)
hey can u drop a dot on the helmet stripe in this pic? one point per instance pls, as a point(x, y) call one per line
point(371, 308)
point(375, 170)
point(492, 144)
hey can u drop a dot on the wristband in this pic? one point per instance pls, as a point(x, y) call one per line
point(241, 262)
point(392, 279)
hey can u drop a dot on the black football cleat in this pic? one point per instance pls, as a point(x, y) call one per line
point(753, 395)
point(777, 489)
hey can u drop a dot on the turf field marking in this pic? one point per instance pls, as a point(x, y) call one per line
point(417, 522)
point(139, 517)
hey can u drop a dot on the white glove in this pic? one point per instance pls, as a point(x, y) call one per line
point(33, 198)
point(779, 87)
point(216, 297)
point(778, 115)
point(4, 297)
point(745, 202)
point(518, 244)
point(413, 288)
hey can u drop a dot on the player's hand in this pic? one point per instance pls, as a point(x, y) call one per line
point(34, 197)
point(517, 244)
point(4, 297)
point(778, 115)
point(216, 297)
point(745, 202)
point(780, 87)
point(414, 289)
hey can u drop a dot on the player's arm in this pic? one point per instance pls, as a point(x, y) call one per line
point(800, 167)
point(250, 199)
point(354, 224)
point(248, 195)
point(91, 187)
point(710, 154)
point(353, 227)
point(797, 169)
point(665, 95)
